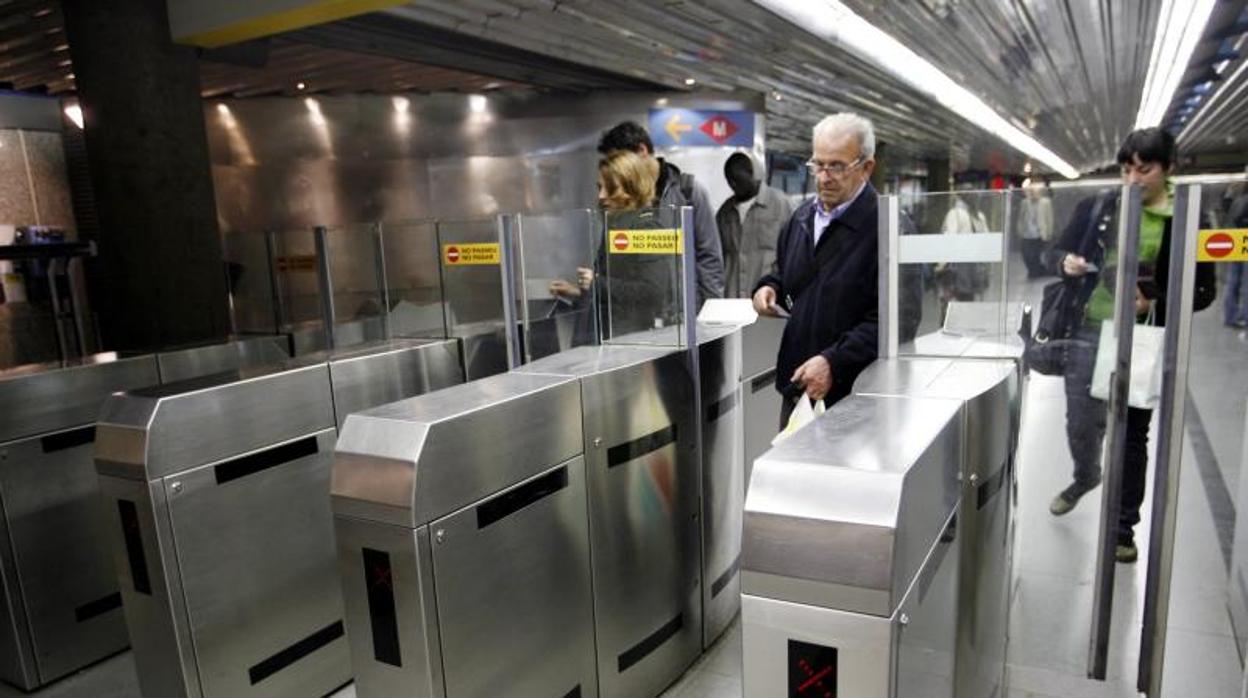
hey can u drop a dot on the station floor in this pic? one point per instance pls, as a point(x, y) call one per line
point(1054, 560)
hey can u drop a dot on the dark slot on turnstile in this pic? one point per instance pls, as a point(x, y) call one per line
point(574, 693)
point(510, 502)
point(985, 492)
point(726, 577)
point(763, 380)
point(134, 546)
point(295, 652)
point(631, 450)
point(99, 607)
point(379, 581)
point(721, 408)
point(642, 649)
point(68, 439)
point(263, 460)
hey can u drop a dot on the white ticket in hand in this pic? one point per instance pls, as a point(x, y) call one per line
point(779, 310)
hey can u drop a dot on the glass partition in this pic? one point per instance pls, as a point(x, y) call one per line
point(357, 286)
point(249, 279)
point(299, 305)
point(640, 278)
point(413, 279)
point(470, 257)
point(556, 294)
point(952, 250)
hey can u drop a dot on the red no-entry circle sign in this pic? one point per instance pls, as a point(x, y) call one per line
point(620, 241)
point(452, 254)
point(1219, 245)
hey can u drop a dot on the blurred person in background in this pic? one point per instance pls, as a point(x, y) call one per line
point(749, 224)
point(1235, 307)
point(1035, 226)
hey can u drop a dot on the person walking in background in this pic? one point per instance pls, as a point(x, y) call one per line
point(749, 224)
point(1035, 228)
point(1235, 307)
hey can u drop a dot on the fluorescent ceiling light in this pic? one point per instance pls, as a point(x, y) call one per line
point(1180, 25)
point(74, 112)
point(834, 22)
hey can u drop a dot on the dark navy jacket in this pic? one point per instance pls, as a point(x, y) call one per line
point(837, 313)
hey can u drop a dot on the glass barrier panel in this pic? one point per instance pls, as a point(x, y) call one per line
point(249, 278)
point(298, 289)
point(356, 283)
point(640, 286)
point(472, 285)
point(555, 289)
point(413, 279)
point(951, 251)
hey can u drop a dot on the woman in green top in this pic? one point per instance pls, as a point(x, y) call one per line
point(1146, 158)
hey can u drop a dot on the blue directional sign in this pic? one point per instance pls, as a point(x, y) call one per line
point(701, 128)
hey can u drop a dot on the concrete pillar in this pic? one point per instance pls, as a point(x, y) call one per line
point(159, 278)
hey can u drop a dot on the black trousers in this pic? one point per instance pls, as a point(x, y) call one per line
point(1085, 432)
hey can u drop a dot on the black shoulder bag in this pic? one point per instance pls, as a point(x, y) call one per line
point(1061, 310)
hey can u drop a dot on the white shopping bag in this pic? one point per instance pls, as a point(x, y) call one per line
point(803, 414)
point(1147, 345)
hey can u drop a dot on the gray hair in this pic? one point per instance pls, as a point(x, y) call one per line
point(847, 123)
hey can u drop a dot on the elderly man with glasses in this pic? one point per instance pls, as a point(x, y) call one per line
point(825, 277)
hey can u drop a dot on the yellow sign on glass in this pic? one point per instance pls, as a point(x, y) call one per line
point(1223, 245)
point(655, 241)
point(463, 254)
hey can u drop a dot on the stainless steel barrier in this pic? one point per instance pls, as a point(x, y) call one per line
point(194, 362)
point(222, 530)
point(760, 344)
point(723, 475)
point(850, 554)
point(643, 474)
point(463, 542)
point(61, 610)
point(991, 394)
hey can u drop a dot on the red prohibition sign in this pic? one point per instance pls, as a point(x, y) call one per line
point(452, 254)
point(620, 241)
point(1219, 245)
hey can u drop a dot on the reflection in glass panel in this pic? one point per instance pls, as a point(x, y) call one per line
point(250, 283)
point(413, 280)
point(472, 285)
point(641, 287)
point(558, 304)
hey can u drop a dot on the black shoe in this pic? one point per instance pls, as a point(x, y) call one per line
point(1069, 497)
point(1126, 552)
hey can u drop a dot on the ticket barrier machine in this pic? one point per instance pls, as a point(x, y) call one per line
point(850, 554)
point(60, 609)
point(192, 362)
point(760, 345)
point(463, 542)
point(643, 473)
point(221, 529)
point(990, 391)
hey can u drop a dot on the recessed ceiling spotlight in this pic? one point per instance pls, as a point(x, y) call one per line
point(300, 86)
point(690, 81)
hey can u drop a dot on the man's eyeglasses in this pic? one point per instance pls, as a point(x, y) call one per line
point(836, 169)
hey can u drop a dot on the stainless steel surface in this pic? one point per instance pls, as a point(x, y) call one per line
point(194, 362)
point(154, 432)
point(415, 608)
point(875, 501)
point(760, 345)
point(54, 396)
point(379, 374)
point(889, 241)
point(514, 597)
point(1177, 357)
point(644, 476)
point(511, 267)
point(53, 623)
point(1116, 427)
point(410, 462)
point(325, 282)
point(225, 481)
point(309, 337)
point(723, 475)
point(926, 622)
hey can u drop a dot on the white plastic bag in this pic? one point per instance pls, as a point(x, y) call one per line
point(1147, 345)
point(802, 415)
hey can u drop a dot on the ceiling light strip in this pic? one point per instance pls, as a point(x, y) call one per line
point(1180, 25)
point(832, 21)
point(1231, 86)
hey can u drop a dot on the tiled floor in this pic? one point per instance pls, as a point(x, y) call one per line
point(1054, 566)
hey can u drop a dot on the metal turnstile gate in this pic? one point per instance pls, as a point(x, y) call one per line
point(60, 609)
